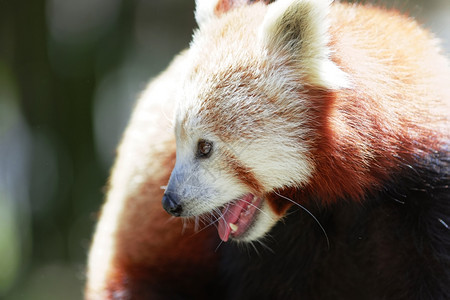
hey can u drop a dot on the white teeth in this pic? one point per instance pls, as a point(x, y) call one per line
point(233, 227)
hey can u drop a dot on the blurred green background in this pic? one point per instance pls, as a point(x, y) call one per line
point(70, 71)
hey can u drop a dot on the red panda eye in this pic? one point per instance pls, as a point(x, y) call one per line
point(204, 149)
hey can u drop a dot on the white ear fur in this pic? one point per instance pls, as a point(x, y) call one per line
point(204, 10)
point(300, 28)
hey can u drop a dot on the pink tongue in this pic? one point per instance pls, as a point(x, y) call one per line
point(231, 215)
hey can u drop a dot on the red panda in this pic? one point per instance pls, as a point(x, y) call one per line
point(311, 141)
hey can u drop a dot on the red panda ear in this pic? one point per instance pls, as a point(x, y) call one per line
point(300, 29)
point(206, 9)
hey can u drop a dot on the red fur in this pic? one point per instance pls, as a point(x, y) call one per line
point(245, 175)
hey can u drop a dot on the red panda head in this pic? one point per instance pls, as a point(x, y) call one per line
point(243, 122)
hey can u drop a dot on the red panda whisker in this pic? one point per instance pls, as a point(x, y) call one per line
point(443, 223)
point(208, 222)
point(264, 245)
point(183, 229)
point(217, 215)
point(218, 246)
point(252, 243)
point(196, 224)
point(197, 231)
point(259, 209)
point(310, 213)
point(170, 219)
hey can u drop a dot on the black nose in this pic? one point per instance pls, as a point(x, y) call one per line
point(172, 204)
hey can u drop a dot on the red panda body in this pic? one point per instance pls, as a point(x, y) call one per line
point(363, 119)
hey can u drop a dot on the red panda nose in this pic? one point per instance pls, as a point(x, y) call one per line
point(171, 204)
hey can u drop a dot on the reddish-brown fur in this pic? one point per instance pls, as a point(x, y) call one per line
point(244, 174)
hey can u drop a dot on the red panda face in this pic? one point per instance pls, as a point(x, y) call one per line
point(227, 162)
point(243, 122)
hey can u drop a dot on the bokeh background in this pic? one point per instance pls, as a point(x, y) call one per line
point(70, 71)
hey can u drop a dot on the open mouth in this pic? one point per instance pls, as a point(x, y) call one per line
point(238, 216)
